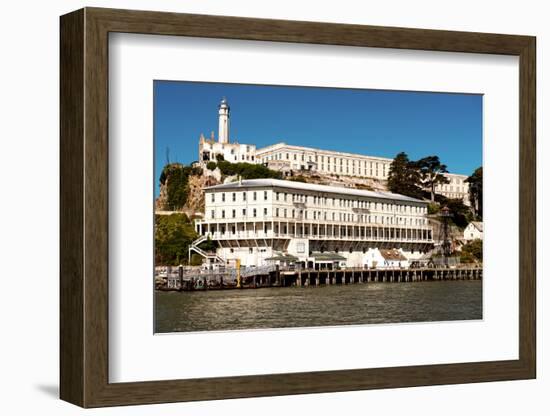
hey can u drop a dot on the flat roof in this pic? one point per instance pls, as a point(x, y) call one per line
point(301, 186)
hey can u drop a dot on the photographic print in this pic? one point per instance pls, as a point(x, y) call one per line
point(291, 206)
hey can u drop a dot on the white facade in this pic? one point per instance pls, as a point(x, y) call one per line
point(457, 188)
point(474, 231)
point(232, 152)
point(254, 220)
point(286, 158)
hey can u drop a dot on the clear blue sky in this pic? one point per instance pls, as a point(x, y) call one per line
point(371, 122)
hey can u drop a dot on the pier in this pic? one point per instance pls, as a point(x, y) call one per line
point(273, 276)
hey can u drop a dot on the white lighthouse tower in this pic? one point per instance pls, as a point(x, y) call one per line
point(223, 115)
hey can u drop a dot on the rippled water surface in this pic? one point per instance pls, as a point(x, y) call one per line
point(318, 306)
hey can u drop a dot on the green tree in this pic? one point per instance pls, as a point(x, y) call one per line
point(404, 177)
point(460, 213)
point(431, 173)
point(211, 165)
point(219, 157)
point(475, 180)
point(472, 252)
point(173, 235)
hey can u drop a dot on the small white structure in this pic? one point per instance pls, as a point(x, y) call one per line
point(474, 231)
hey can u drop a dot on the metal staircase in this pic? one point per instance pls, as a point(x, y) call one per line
point(194, 246)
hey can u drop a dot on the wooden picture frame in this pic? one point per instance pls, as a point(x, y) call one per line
point(84, 207)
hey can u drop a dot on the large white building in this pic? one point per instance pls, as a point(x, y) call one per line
point(287, 158)
point(263, 220)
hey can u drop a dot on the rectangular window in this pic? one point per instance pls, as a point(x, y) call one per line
point(223, 213)
point(244, 212)
point(265, 195)
point(234, 213)
point(223, 197)
point(234, 196)
point(265, 211)
point(244, 196)
point(254, 196)
point(277, 212)
point(213, 198)
point(212, 214)
point(254, 212)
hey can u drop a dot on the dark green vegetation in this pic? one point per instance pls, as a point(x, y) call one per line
point(472, 252)
point(460, 214)
point(409, 177)
point(431, 172)
point(476, 191)
point(244, 170)
point(175, 177)
point(404, 177)
point(173, 235)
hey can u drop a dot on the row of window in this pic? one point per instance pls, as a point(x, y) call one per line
point(329, 159)
point(250, 158)
point(321, 201)
point(341, 169)
point(340, 231)
point(233, 196)
point(450, 188)
point(301, 214)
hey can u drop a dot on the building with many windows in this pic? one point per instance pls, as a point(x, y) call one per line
point(457, 188)
point(287, 158)
point(262, 220)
